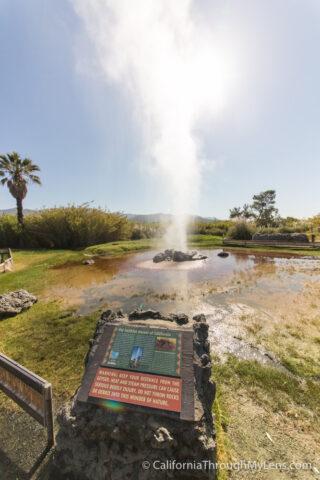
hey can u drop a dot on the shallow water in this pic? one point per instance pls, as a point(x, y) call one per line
point(228, 290)
point(133, 280)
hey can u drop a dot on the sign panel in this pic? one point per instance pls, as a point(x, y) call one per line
point(145, 349)
point(145, 368)
point(137, 388)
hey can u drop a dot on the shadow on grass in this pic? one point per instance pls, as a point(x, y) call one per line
point(10, 470)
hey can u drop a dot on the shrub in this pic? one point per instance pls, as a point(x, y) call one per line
point(240, 230)
point(209, 228)
point(268, 230)
point(146, 230)
point(9, 231)
point(65, 227)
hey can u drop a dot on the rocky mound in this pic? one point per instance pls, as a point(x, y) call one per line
point(100, 444)
point(15, 302)
point(177, 256)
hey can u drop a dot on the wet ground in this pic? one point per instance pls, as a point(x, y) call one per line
point(229, 290)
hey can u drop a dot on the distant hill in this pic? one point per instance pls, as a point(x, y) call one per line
point(165, 217)
point(140, 218)
point(13, 211)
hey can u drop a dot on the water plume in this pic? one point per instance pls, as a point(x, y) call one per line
point(164, 56)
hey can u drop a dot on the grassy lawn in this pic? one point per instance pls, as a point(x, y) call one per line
point(32, 338)
point(120, 248)
point(287, 405)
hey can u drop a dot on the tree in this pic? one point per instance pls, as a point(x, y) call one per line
point(17, 173)
point(235, 212)
point(244, 212)
point(247, 211)
point(264, 209)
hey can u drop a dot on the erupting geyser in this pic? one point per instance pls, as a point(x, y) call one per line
point(175, 69)
point(177, 256)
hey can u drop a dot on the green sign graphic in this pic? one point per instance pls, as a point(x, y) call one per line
point(146, 350)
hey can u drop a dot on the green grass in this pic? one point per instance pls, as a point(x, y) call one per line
point(204, 241)
point(267, 248)
point(273, 389)
point(50, 341)
point(32, 270)
point(133, 246)
point(34, 337)
point(268, 385)
point(120, 248)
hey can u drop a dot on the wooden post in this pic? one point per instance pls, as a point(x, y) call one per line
point(49, 415)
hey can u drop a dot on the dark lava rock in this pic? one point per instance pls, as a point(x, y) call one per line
point(200, 318)
point(16, 302)
point(179, 318)
point(223, 254)
point(177, 256)
point(88, 262)
point(281, 237)
point(144, 315)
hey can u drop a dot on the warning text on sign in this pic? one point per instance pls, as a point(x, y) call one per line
point(138, 389)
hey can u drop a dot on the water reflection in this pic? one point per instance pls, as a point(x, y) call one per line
point(130, 281)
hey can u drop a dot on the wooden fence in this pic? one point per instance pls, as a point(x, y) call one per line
point(30, 391)
point(262, 243)
point(6, 263)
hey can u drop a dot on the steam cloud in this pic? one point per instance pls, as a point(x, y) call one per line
point(162, 54)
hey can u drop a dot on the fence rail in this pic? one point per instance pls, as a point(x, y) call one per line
point(6, 263)
point(262, 243)
point(31, 392)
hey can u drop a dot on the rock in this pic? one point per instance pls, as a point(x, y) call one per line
point(179, 318)
point(144, 314)
point(223, 254)
point(178, 256)
point(88, 262)
point(200, 318)
point(16, 302)
point(162, 438)
point(281, 237)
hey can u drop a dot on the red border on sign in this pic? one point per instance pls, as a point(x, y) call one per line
point(137, 388)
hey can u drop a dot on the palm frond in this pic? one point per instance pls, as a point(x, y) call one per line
point(18, 172)
point(35, 179)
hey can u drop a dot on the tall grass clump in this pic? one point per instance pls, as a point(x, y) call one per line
point(141, 231)
point(218, 229)
point(241, 230)
point(65, 227)
point(9, 231)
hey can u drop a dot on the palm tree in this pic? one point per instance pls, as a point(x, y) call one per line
point(17, 173)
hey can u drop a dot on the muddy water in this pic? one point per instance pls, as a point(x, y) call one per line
point(228, 290)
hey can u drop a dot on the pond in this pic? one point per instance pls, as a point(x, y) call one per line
point(130, 281)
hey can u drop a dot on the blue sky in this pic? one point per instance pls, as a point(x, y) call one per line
point(81, 131)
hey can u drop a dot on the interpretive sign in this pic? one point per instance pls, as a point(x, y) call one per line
point(145, 349)
point(144, 368)
point(138, 389)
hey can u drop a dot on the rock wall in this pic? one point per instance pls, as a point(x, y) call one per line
point(281, 237)
point(94, 443)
